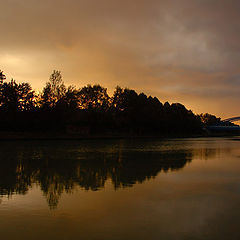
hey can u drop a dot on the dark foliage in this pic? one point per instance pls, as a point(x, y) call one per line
point(209, 119)
point(90, 111)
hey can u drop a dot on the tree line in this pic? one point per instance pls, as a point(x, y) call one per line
point(90, 110)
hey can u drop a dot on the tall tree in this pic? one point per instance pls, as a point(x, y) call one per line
point(54, 90)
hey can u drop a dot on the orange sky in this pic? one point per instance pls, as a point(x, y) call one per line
point(182, 51)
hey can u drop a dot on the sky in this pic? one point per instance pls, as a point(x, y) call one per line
point(184, 51)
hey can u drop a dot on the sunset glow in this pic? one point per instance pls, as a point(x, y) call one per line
point(180, 51)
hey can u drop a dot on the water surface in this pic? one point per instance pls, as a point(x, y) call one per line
point(120, 189)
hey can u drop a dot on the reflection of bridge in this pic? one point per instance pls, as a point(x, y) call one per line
point(233, 119)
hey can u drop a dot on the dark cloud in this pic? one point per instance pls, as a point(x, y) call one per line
point(186, 51)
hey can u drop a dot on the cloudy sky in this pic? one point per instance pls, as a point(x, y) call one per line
point(184, 51)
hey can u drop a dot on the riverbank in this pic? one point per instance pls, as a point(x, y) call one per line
point(11, 136)
point(4, 136)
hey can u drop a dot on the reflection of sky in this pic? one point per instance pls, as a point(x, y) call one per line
point(200, 200)
point(185, 51)
point(61, 167)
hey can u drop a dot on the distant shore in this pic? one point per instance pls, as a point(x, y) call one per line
point(65, 136)
point(12, 136)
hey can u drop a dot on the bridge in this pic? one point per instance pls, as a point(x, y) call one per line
point(223, 128)
point(232, 119)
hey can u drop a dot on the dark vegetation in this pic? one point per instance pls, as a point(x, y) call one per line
point(90, 111)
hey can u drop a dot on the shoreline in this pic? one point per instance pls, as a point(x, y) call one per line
point(27, 136)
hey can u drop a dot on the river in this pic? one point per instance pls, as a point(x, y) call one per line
point(143, 189)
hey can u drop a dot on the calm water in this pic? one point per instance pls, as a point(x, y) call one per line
point(120, 189)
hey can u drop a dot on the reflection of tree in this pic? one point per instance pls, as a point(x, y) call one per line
point(13, 178)
point(60, 168)
point(209, 153)
point(138, 166)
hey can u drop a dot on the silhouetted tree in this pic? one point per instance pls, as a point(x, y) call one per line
point(54, 90)
point(71, 98)
point(93, 97)
point(17, 96)
point(59, 107)
point(118, 99)
point(2, 77)
point(209, 119)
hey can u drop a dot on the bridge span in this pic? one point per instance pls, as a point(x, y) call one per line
point(232, 119)
point(224, 128)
